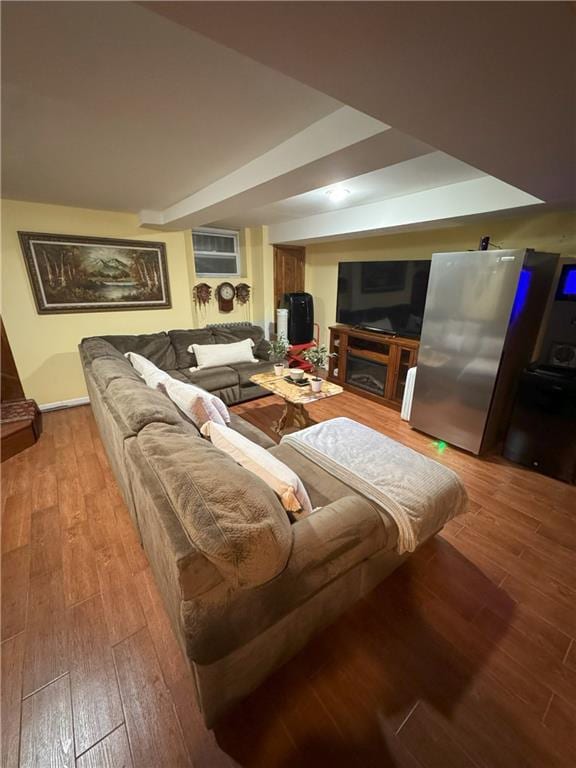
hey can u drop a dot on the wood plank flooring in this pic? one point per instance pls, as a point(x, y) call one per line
point(464, 658)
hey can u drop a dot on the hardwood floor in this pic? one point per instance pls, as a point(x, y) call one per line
point(464, 658)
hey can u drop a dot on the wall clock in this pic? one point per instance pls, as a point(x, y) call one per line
point(225, 294)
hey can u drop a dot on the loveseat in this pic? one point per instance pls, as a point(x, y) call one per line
point(245, 588)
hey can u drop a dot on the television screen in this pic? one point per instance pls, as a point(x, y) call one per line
point(566, 290)
point(386, 296)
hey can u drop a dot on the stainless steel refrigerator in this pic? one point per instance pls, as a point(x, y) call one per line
point(483, 314)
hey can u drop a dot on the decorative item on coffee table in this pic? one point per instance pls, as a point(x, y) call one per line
point(317, 357)
point(296, 397)
point(278, 350)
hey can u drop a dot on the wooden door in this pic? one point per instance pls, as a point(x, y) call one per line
point(289, 264)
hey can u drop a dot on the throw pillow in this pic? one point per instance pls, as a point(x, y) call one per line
point(200, 406)
point(232, 334)
point(277, 475)
point(152, 375)
point(214, 355)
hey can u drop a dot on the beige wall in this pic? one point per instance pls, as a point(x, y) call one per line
point(554, 232)
point(210, 313)
point(45, 346)
point(262, 261)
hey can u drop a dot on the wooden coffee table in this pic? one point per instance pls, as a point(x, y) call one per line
point(296, 398)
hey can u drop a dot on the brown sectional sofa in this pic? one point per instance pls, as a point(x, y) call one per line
point(244, 588)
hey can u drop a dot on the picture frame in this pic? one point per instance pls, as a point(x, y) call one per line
point(72, 274)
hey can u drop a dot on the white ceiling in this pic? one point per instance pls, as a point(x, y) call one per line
point(241, 114)
point(106, 105)
point(483, 195)
point(492, 83)
point(435, 169)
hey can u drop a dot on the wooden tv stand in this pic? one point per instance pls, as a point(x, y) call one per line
point(371, 364)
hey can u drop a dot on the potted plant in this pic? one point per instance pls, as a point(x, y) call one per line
point(317, 357)
point(278, 351)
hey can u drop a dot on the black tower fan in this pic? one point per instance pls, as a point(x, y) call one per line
point(300, 308)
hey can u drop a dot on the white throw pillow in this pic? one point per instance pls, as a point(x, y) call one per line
point(152, 375)
point(196, 403)
point(214, 355)
point(283, 481)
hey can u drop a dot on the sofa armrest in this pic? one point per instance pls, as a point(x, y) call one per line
point(332, 541)
point(262, 350)
point(181, 570)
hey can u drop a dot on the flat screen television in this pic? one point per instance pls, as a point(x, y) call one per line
point(385, 296)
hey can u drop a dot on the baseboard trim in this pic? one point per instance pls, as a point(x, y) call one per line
point(64, 404)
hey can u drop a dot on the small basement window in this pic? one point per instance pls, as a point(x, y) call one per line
point(216, 252)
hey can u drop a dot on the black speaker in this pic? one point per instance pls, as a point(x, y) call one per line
point(563, 355)
point(542, 432)
point(300, 308)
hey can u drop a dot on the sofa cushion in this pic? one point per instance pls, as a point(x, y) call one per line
point(245, 370)
point(238, 333)
point(230, 394)
point(181, 571)
point(250, 431)
point(156, 347)
point(182, 339)
point(94, 347)
point(213, 379)
point(231, 516)
point(107, 369)
point(284, 481)
point(323, 487)
point(138, 405)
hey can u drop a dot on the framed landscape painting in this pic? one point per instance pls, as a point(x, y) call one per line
point(95, 274)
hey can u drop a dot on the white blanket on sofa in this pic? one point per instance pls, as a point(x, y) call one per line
point(418, 493)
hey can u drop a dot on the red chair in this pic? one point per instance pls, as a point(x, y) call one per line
point(295, 352)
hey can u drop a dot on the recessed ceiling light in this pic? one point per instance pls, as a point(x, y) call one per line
point(337, 194)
